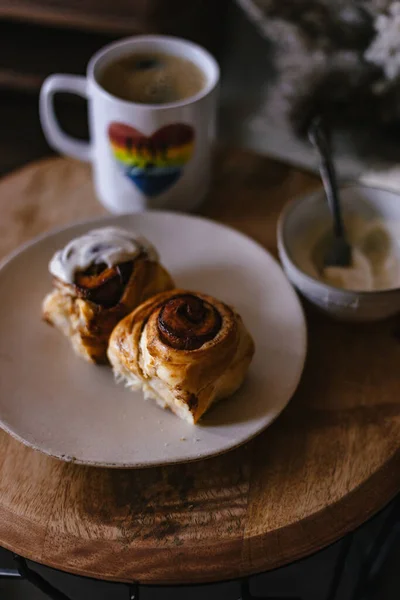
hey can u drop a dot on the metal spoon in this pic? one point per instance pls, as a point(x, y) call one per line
point(339, 253)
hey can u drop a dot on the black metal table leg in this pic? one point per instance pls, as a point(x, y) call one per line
point(24, 572)
point(339, 567)
point(9, 574)
point(378, 547)
point(133, 589)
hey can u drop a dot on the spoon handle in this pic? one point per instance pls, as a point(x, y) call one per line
point(319, 139)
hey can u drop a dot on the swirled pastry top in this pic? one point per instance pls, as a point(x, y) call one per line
point(108, 246)
point(186, 322)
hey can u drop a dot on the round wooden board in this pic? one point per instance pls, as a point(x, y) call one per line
point(328, 463)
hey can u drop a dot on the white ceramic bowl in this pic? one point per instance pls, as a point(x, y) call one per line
point(305, 215)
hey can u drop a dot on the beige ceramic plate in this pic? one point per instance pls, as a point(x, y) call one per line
point(55, 402)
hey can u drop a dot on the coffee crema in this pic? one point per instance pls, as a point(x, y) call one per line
point(152, 78)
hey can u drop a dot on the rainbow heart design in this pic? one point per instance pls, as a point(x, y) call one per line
point(154, 163)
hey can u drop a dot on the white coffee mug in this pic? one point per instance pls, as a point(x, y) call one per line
point(143, 155)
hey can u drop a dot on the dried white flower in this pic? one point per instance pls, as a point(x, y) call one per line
point(384, 50)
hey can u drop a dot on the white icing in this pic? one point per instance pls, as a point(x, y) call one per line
point(108, 245)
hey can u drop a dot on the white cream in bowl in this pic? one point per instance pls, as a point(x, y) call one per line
point(375, 255)
point(370, 288)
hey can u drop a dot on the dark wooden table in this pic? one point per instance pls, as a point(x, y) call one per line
point(328, 463)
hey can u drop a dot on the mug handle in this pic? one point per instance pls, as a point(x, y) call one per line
point(57, 139)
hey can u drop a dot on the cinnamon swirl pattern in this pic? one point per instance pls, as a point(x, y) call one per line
point(184, 349)
point(98, 279)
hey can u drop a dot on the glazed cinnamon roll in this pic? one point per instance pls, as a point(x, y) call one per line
point(184, 349)
point(99, 278)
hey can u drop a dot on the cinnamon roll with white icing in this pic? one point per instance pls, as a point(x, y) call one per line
point(99, 278)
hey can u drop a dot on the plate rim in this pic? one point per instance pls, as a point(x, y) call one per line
point(184, 460)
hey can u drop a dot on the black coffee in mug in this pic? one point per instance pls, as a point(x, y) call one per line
point(152, 78)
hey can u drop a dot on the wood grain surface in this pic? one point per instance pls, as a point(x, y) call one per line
point(329, 462)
